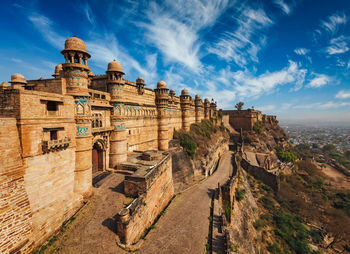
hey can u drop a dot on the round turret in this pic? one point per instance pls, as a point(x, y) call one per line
point(206, 100)
point(4, 86)
point(75, 44)
point(161, 84)
point(184, 92)
point(115, 66)
point(18, 78)
point(172, 92)
point(58, 69)
point(140, 80)
point(197, 97)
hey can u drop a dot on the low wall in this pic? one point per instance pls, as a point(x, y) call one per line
point(156, 191)
point(262, 174)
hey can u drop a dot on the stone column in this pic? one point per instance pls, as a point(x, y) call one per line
point(162, 103)
point(118, 144)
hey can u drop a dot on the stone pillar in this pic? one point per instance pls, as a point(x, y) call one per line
point(75, 76)
point(77, 81)
point(162, 103)
point(198, 108)
point(118, 144)
point(185, 108)
point(118, 141)
point(206, 108)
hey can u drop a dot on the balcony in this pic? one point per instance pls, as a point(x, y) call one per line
point(55, 145)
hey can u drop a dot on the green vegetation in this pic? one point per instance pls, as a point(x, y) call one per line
point(342, 201)
point(240, 194)
point(187, 142)
point(197, 136)
point(275, 248)
point(286, 156)
point(227, 210)
point(292, 231)
point(257, 127)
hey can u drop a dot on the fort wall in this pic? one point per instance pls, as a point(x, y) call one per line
point(154, 191)
point(16, 227)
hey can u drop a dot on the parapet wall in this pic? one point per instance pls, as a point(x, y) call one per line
point(16, 227)
point(157, 190)
point(266, 177)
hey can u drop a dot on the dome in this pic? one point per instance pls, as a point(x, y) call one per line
point(114, 66)
point(197, 97)
point(4, 85)
point(18, 78)
point(184, 92)
point(140, 80)
point(172, 92)
point(161, 84)
point(58, 68)
point(41, 78)
point(74, 43)
point(206, 100)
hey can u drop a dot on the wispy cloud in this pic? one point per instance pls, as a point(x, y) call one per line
point(246, 84)
point(174, 29)
point(326, 105)
point(319, 80)
point(301, 51)
point(243, 45)
point(283, 6)
point(106, 48)
point(331, 23)
point(89, 14)
point(338, 45)
point(343, 94)
point(46, 28)
point(266, 108)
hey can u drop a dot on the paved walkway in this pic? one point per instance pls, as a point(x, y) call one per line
point(184, 228)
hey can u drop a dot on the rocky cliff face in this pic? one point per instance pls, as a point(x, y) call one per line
point(260, 145)
point(210, 142)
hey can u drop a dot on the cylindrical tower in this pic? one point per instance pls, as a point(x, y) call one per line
point(118, 140)
point(206, 108)
point(75, 74)
point(58, 71)
point(185, 108)
point(198, 108)
point(162, 101)
point(212, 111)
point(18, 81)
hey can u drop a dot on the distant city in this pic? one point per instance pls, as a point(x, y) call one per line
point(319, 136)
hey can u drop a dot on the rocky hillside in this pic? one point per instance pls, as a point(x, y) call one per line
point(195, 154)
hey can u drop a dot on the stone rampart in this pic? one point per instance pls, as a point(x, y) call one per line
point(155, 191)
point(16, 227)
point(262, 174)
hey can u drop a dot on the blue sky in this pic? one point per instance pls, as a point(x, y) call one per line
point(285, 57)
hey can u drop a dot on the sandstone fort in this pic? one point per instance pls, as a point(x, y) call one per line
point(58, 134)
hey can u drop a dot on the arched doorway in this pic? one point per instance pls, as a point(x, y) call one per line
point(97, 157)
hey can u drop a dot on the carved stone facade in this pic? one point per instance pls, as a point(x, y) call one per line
point(57, 133)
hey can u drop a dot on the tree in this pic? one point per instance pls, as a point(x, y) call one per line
point(239, 105)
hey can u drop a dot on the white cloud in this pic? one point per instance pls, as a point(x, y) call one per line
point(45, 27)
point(301, 51)
point(326, 105)
point(89, 14)
point(174, 29)
point(267, 108)
point(332, 23)
point(283, 6)
point(319, 80)
point(338, 45)
point(343, 94)
point(243, 45)
point(245, 84)
point(106, 48)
